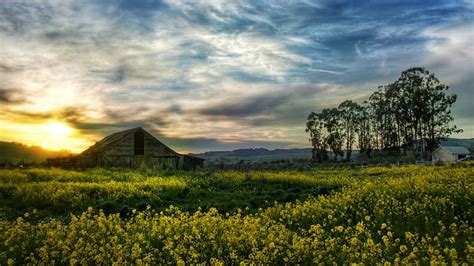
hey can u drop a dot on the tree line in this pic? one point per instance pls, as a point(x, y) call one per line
point(411, 114)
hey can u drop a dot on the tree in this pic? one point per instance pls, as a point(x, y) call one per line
point(365, 136)
point(350, 115)
point(423, 108)
point(412, 113)
point(335, 138)
point(382, 120)
point(315, 127)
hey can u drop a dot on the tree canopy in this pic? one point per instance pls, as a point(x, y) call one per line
point(412, 113)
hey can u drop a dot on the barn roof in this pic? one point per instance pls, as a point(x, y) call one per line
point(116, 137)
point(456, 149)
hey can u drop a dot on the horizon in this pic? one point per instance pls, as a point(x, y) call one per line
point(201, 152)
point(215, 75)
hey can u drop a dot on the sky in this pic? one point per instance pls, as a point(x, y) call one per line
point(216, 75)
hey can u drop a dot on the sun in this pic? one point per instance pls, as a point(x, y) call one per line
point(57, 129)
point(56, 135)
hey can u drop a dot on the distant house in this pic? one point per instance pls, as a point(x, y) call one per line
point(130, 148)
point(450, 153)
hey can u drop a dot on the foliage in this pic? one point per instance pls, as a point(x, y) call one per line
point(315, 126)
point(409, 214)
point(412, 113)
point(351, 116)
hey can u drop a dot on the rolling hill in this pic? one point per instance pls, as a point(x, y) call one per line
point(15, 152)
point(257, 155)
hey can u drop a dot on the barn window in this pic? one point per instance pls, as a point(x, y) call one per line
point(139, 144)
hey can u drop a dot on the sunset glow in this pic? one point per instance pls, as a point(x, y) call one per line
point(57, 129)
point(56, 135)
point(52, 135)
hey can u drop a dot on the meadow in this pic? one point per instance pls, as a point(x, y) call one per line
point(406, 214)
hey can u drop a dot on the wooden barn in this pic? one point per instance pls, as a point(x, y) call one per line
point(130, 148)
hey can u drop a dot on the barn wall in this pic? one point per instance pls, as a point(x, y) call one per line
point(88, 160)
point(123, 147)
point(443, 155)
point(191, 163)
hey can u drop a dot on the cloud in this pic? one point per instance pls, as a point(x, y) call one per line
point(211, 144)
point(245, 107)
point(19, 17)
point(451, 47)
point(219, 72)
point(9, 96)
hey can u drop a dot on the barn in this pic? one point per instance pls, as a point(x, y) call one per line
point(450, 153)
point(131, 148)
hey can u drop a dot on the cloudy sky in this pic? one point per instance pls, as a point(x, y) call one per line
point(215, 75)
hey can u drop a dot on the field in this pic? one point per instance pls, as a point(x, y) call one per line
point(336, 215)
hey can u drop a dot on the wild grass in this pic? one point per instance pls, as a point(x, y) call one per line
point(57, 192)
point(409, 214)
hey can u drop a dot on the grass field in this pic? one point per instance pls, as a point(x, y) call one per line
point(370, 215)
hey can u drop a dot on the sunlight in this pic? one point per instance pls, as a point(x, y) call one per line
point(56, 135)
point(57, 129)
point(50, 134)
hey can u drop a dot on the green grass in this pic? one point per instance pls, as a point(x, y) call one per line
point(418, 214)
point(57, 192)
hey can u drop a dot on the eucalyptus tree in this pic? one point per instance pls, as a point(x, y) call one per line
point(365, 129)
point(333, 125)
point(350, 116)
point(316, 128)
point(412, 111)
point(423, 107)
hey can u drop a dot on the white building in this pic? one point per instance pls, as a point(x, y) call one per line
point(450, 153)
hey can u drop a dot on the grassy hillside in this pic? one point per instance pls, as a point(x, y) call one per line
point(397, 215)
point(15, 152)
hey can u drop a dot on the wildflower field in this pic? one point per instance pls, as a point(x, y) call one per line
point(373, 215)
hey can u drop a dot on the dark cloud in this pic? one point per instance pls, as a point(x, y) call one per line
point(10, 96)
point(247, 77)
point(141, 5)
point(19, 17)
point(9, 69)
point(276, 102)
point(245, 107)
point(176, 108)
point(117, 119)
point(210, 144)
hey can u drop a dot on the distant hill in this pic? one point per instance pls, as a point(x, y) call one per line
point(258, 155)
point(255, 155)
point(15, 152)
point(468, 143)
